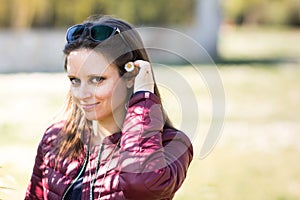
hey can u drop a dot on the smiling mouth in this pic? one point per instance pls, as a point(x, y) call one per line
point(88, 107)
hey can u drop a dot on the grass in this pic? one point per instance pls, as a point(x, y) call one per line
point(257, 156)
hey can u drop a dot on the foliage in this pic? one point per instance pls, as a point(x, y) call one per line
point(57, 13)
point(274, 12)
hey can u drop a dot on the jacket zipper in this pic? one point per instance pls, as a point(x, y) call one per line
point(77, 177)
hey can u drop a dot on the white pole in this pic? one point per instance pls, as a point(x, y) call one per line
point(208, 20)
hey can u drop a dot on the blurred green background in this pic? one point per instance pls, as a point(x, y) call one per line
point(60, 13)
point(258, 154)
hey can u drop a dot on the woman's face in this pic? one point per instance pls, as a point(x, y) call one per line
point(96, 85)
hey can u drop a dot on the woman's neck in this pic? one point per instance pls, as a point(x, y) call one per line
point(107, 127)
point(101, 131)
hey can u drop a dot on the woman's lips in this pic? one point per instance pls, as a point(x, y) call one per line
point(88, 107)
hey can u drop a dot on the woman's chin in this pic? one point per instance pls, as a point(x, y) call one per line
point(90, 116)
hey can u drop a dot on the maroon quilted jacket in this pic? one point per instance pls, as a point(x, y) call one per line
point(143, 161)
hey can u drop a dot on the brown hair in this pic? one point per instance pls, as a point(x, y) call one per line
point(70, 143)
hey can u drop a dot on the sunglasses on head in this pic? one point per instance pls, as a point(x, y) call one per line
point(97, 33)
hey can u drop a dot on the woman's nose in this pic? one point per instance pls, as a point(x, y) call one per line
point(84, 91)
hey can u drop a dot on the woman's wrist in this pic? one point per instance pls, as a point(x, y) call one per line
point(144, 88)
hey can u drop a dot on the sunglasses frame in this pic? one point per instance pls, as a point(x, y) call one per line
point(115, 30)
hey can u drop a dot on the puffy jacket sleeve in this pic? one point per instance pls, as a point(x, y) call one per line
point(153, 162)
point(35, 187)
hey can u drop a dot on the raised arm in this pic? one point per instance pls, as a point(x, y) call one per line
point(153, 161)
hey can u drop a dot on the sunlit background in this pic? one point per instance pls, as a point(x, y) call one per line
point(254, 44)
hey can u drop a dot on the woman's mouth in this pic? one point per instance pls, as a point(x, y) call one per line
point(89, 107)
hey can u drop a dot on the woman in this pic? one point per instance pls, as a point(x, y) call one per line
point(116, 142)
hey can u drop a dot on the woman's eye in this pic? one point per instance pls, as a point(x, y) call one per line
point(75, 81)
point(97, 79)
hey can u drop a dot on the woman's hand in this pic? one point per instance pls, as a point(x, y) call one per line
point(143, 76)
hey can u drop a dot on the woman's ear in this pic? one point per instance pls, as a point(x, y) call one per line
point(129, 82)
point(132, 72)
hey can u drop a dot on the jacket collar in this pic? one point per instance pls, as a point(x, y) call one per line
point(109, 140)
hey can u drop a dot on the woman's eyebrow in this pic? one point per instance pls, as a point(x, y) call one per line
point(71, 76)
point(93, 75)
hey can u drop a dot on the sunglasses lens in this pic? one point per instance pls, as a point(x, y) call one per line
point(100, 32)
point(74, 33)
